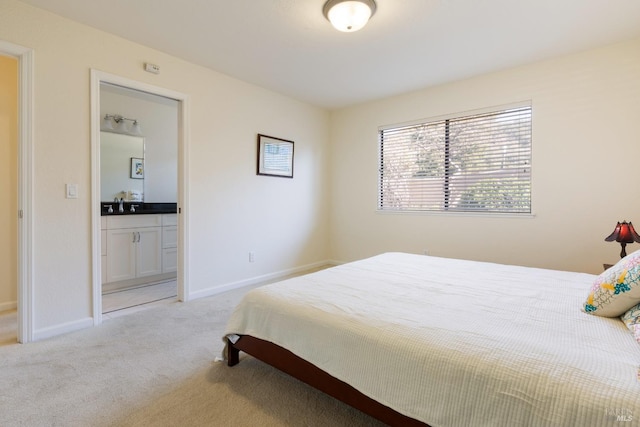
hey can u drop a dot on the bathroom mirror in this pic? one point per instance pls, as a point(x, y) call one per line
point(117, 179)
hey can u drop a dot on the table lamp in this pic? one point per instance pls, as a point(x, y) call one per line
point(623, 233)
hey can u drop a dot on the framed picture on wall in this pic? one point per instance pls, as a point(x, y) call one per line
point(137, 168)
point(275, 156)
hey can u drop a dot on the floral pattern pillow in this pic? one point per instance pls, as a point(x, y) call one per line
point(632, 319)
point(617, 289)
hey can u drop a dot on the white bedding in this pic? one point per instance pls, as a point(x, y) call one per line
point(456, 343)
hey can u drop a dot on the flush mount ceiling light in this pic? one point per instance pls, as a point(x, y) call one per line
point(349, 15)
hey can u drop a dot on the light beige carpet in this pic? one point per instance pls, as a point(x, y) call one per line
point(156, 368)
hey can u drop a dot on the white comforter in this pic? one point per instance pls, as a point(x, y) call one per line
point(456, 343)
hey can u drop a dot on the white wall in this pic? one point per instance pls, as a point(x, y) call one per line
point(586, 143)
point(8, 182)
point(231, 211)
point(158, 119)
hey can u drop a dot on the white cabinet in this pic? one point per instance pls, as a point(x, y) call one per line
point(121, 255)
point(103, 248)
point(134, 247)
point(169, 243)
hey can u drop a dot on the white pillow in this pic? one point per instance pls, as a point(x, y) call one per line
point(617, 289)
point(632, 319)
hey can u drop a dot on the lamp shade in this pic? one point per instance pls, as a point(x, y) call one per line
point(349, 15)
point(121, 125)
point(135, 128)
point(623, 233)
point(106, 123)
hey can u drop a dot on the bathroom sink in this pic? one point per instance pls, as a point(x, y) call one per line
point(139, 208)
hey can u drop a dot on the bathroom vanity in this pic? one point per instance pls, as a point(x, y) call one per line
point(138, 238)
point(137, 249)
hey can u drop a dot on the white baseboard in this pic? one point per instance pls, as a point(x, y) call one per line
point(64, 328)
point(258, 279)
point(88, 322)
point(6, 306)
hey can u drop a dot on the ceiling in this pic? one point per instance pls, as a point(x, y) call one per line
point(289, 47)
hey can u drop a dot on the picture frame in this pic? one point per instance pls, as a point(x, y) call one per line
point(137, 168)
point(275, 156)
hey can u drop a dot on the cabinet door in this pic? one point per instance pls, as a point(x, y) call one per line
point(121, 254)
point(149, 251)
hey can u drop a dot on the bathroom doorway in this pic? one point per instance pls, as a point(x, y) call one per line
point(138, 201)
point(138, 212)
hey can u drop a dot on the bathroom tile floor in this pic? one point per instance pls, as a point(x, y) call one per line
point(119, 303)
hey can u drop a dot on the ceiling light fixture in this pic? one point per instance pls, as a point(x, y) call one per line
point(349, 15)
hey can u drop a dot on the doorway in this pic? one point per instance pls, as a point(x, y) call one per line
point(9, 196)
point(23, 225)
point(140, 271)
point(140, 91)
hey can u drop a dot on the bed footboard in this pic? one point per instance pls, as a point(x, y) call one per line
point(299, 368)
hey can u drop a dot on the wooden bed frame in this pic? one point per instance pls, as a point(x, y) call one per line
point(299, 368)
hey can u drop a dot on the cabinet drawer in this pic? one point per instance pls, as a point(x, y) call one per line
point(103, 242)
point(169, 260)
point(169, 219)
point(169, 237)
point(103, 267)
point(133, 221)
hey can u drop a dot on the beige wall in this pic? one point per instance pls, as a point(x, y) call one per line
point(8, 181)
point(231, 210)
point(586, 127)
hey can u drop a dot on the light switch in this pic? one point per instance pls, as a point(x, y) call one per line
point(72, 191)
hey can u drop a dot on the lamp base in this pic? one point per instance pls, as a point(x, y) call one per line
point(623, 253)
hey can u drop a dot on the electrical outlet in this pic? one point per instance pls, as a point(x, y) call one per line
point(252, 256)
point(425, 252)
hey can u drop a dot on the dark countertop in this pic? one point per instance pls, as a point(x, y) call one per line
point(140, 208)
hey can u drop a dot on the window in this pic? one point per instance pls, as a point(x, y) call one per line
point(476, 163)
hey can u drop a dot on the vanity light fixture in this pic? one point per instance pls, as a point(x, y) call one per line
point(349, 15)
point(121, 124)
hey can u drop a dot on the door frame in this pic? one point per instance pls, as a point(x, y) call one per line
point(98, 77)
point(24, 304)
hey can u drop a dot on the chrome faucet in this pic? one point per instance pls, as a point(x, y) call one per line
point(132, 208)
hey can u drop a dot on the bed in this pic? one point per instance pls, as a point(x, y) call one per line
point(420, 340)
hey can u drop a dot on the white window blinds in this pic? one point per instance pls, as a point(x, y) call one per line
point(476, 163)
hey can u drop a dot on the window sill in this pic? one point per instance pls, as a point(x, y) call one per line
point(459, 214)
